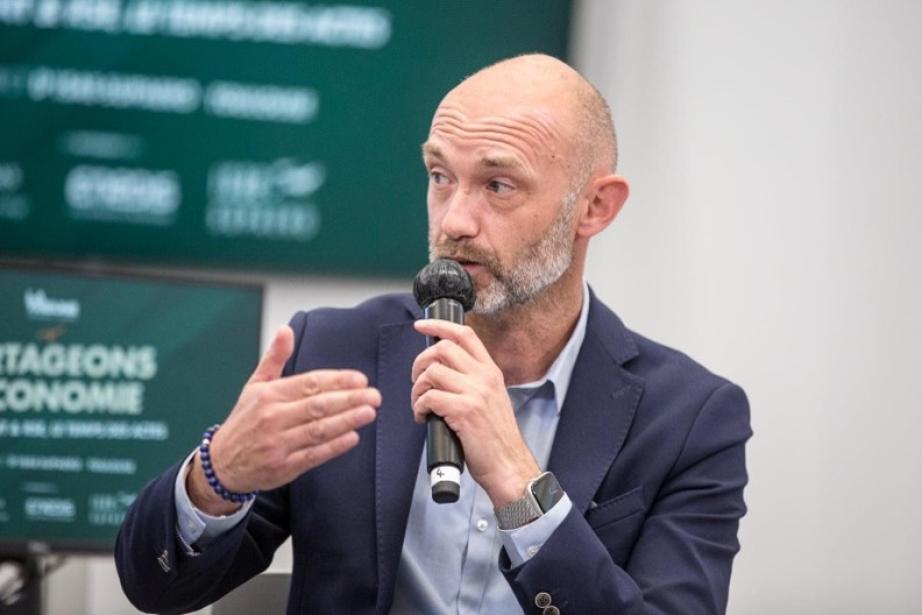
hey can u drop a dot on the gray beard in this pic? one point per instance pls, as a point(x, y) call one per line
point(541, 265)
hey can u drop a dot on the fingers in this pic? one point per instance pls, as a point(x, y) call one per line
point(327, 404)
point(329, 428)
point(438, 376)
point(271, 364)
point(317, 381)
point(447, 353)
point(447, 405)
point(458, 365)
point(461, 335)
point(306, 458)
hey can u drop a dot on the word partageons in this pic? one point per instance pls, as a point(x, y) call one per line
point(75, 378)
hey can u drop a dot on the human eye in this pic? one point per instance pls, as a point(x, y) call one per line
point(437, 177)
point(500, 186)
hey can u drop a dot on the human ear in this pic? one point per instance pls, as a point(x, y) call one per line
point(606, 196)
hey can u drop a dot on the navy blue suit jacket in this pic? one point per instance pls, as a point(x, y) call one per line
point(650, 449)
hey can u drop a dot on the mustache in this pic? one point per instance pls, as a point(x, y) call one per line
point(460, 251)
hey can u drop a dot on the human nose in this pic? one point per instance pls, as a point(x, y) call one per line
point(460, 218)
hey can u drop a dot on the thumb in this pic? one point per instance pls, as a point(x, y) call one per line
point(270, 366)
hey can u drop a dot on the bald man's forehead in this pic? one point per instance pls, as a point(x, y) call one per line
point(511, 89)
point(529, 133)
point(553, 118)
point(542, 121)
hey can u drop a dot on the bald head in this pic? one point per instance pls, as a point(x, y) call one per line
point(576, 107)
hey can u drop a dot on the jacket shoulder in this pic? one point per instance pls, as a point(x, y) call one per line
point(680, 394)
point(644, 358)
point(346, 337)
point(658, 362)
point(377, 311)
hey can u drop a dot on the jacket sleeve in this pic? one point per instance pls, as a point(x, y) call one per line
point(681, 561)
point(160, 574)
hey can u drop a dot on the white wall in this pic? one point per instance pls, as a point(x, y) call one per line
point(773, 149)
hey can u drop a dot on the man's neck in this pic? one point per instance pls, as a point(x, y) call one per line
point(524, 341)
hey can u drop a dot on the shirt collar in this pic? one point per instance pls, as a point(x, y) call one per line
point(560, 371)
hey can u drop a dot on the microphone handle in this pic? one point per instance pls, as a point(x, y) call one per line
point(444, 456)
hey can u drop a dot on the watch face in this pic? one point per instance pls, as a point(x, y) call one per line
point(546, 490)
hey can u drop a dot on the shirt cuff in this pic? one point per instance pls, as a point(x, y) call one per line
point(523, 543)
point(195, 526)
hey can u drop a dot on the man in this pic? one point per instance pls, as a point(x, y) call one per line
point(647, 446)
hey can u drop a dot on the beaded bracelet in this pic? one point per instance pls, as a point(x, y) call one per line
point(205, 456)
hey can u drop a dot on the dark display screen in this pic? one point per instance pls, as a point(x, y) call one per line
point(104, 382)
point(254, 134)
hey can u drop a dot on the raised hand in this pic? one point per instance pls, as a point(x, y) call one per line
point(282, 427)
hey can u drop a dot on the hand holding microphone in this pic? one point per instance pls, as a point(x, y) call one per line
point(445, 291)
point(457, 384)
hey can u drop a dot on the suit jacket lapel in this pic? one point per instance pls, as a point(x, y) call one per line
point(398, 445)
point(599, 408)
point(594, 423)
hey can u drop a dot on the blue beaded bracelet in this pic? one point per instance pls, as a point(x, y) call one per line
point(205, 457)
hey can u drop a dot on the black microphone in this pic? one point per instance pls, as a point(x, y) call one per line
point(444, 290)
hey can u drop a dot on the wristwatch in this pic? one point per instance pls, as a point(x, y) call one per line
point(540, 496)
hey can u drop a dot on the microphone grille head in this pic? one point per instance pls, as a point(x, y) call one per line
point(444, 279)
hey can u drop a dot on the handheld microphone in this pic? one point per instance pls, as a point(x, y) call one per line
point(445, 291)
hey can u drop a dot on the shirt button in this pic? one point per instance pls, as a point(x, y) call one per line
point(532, 550)
point(542, 599)
point(482, 525)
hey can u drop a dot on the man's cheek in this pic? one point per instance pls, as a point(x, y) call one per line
point(433, 240)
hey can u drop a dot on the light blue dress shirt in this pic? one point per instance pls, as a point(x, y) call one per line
point(449, 561)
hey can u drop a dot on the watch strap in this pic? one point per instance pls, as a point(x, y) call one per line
point(540, 496)
point(518, 513)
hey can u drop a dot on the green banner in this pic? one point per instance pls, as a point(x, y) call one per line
point(104, 382)
point(257, 134)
